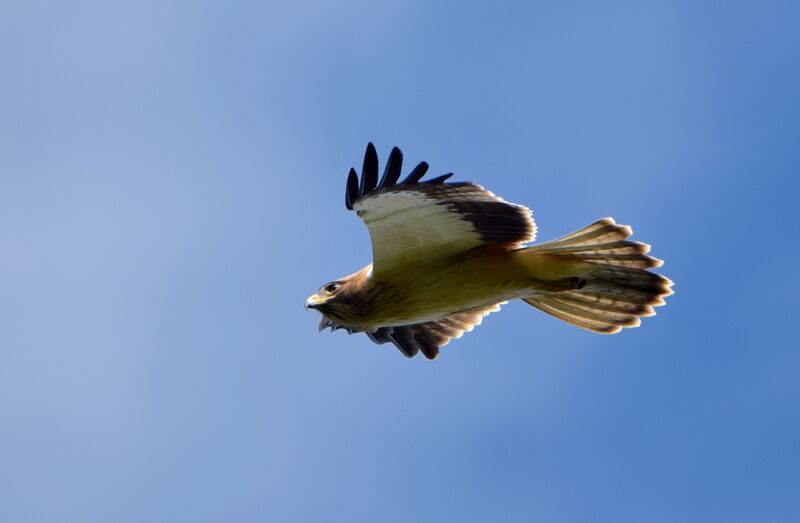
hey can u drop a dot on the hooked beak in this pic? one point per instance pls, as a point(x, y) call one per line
point(325, 323)
point(312, 303)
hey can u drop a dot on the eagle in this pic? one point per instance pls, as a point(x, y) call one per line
point(446, 254)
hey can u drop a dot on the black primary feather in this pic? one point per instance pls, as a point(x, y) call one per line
point(369, 171)
point(403, 339)
point(381, 335)
point(393, 167)
point(368, 183)
point(439, 179)
point(416, 174)
point(427, 342)
point(351, 194)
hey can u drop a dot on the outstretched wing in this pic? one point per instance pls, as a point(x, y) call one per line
point(429, 336)
point(415, 219)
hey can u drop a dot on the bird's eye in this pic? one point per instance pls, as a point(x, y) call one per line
point(332, 287)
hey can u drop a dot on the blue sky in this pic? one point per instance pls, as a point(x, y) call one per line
point(171, 190)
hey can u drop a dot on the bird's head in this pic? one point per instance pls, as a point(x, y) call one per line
point(340, 301)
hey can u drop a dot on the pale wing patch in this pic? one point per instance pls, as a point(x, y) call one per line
point(406, 225)
point(414, 218)
point(428, 337)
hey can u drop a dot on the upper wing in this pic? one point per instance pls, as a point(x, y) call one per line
point(429, 336)
point(416, 219)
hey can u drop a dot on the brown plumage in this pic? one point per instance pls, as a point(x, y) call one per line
point(447, 254)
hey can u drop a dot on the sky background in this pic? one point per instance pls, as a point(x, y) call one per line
point(172, 182)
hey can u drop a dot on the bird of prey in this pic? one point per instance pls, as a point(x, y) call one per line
point(445, 254)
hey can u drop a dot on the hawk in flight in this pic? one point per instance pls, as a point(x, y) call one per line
point(446, 254)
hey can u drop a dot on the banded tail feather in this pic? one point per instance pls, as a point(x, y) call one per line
point(619, 289)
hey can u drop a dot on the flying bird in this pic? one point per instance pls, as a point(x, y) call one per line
point(446, 254)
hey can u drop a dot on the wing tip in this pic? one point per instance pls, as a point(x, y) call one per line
point(351, 191)
point(368, 183)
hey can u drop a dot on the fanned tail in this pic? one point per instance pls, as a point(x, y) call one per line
point(613, 287)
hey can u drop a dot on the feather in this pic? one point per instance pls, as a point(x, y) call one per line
point(428, 337)
point(439, 179)
point(369, 171)
point(394, 165)
point(416, 174)
point(351, 194)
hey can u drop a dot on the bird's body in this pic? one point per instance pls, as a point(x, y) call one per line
point(432, 289)
point(480, 277)
point(447, 254)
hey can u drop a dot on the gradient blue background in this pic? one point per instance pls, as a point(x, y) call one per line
point(171, 190)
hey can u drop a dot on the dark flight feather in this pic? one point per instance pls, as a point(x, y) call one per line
point(439, 179)
point(368, 183)
point(416, 174)
point(394, 165)
point(369, 171)
point(403, 339)
point(351, 194)
point(429, 336)
point(381, 335)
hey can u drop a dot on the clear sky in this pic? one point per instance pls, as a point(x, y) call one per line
point(172, 182)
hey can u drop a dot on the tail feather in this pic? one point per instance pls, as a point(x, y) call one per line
point(610, 303)
point(603, 230)
point(603, 242)
point(619, 289)
point(605, 311)
point(544, 304)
